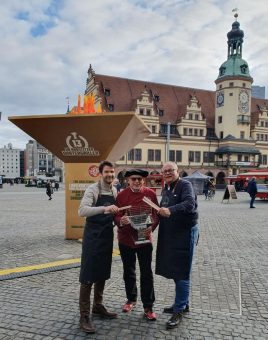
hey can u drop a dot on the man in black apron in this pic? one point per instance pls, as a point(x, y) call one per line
point(177, 238)
point(98, 207)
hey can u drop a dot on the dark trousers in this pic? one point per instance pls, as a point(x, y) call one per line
point(84, 298)
point(252, 200)
point(128, 256)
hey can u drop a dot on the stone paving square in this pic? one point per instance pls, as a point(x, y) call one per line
point(229, 297)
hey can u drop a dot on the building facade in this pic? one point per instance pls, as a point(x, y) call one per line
point(220, 133)
point(9, 162)
point(40, 161)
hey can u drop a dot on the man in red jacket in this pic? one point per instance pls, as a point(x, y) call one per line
point(127, 239)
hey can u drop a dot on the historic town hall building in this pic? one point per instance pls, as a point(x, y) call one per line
point(219, 132)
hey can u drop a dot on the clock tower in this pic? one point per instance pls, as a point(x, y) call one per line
point(233, 90)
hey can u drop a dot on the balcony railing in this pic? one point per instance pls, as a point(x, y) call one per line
point(243, 119)
point(237, 163)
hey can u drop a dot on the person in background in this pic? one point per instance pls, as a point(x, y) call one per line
point(252, 190)
point(49, 190)
point(177, 238)
point(98, 206)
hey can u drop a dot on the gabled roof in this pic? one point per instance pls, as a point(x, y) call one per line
point(172, 99)
point(256, 103)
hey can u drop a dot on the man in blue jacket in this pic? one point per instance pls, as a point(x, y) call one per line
point(177, 238)
point(252, 190)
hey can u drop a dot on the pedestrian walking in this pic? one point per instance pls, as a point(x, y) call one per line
point(177, 238)
point(49, 190)
point(252, 190)
point(98, 206)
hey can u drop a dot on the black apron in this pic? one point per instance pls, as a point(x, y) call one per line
point(173, 246)
point(97, 248)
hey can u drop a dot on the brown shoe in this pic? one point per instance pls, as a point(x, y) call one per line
point(101, 311)
point(86, 325)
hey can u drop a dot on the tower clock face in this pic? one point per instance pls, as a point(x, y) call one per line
point(243, 105)
point(220, 99)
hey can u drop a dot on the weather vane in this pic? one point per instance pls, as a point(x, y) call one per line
point(235, 10)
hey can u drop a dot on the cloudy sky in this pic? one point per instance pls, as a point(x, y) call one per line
point(47, 46)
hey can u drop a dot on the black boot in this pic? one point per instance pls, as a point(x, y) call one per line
point(174, 320)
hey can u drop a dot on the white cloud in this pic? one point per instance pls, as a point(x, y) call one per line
point(168, 41)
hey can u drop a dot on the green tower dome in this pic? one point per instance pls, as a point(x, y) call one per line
point(234, 66)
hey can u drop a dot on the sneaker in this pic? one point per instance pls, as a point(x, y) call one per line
point(174, 320)
point(128, 306)
point(252, 207)
point(149, 314)
point(169, 310)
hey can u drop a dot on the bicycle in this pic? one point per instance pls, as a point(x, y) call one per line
point(211, 194)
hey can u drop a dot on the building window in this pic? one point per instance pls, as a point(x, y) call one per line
point(261, 136)
point(195, 132)
point(266, 124)
point(264, 159)
point(148, 112)
point(197, 155)
point(110, 107)
point(220, 87)
point(190, 116)
point(262, 123)
point(141, 112)
point(156, 98)
point(201, 133)
point(172, 155)
point(153, 129)
point(150, 155)
point(258, 136)
point(220, 119)
point(239, 158)
point(178, 156)
point(196, 117)
point(154, 155)
point(191, 156)
point(185, 132)
point(161, 113)
point(135, 155)
point(190, 132)
point(157, 155)
point(231, 84)
point(242, 134)
point(244, 84)
point(208, 157)
point(231, 94)
point(194, 156)
point(246, 158)
point(221, 134)
point(107, 92)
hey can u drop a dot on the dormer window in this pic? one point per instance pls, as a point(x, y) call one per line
point(110, 107)
point(141, 112)
point(148, 112)
point(156, 98)
point(107, 92)
point(161, 113)
point(190, 116)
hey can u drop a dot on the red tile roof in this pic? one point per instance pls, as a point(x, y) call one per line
point(173, 99)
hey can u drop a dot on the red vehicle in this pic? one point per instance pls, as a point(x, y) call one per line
point(242, 179)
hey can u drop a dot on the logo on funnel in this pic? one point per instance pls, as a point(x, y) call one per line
point(78, 146)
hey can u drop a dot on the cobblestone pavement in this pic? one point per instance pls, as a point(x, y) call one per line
point(229, 297)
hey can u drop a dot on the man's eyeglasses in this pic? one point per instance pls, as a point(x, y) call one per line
point(136, 179)
point(168, 171)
